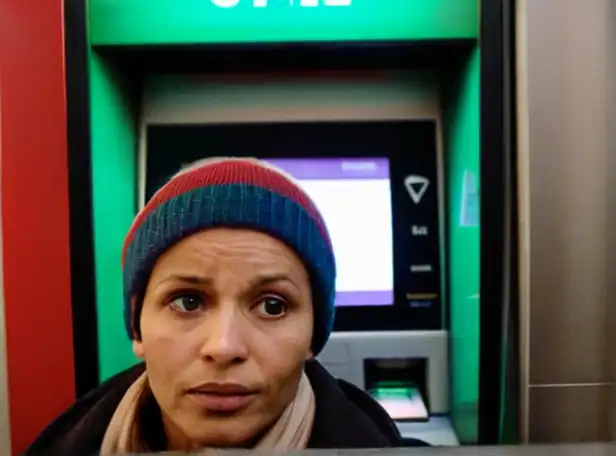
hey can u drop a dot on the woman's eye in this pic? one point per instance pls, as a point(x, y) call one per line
point(186, 303)
point(272, 306)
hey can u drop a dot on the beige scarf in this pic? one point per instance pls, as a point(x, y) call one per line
point(290, 433)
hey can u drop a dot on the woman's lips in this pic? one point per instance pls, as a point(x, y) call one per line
point(222, 397)
point(224, 403)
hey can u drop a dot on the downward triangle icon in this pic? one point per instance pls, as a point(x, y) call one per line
point(416, 186)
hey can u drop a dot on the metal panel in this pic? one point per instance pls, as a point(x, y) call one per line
point(564, 153)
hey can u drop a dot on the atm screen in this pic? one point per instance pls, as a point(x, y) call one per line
point(376, 184)
point(354, 197)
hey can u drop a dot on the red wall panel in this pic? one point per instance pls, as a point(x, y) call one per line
point(35, 214)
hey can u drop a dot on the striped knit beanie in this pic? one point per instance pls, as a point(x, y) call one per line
point(235, 193)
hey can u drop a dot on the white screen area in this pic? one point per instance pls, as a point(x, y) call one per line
point(359, 220)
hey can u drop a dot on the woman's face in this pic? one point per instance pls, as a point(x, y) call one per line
point(226, 327)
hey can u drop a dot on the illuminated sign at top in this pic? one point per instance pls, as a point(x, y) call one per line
point(190, 22)
point(301, 3)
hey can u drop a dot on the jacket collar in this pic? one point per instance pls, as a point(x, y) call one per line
point(340, 421)
point(345, 417)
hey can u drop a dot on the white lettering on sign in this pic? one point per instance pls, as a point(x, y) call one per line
point(421, 268)
point(266, 3)
point(337, 2)
point(225, 3)
point(420, 230)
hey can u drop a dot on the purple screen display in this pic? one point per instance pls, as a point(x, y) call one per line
point(342, 169)
point(333, 168)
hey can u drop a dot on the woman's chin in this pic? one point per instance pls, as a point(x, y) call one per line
point(231, 433)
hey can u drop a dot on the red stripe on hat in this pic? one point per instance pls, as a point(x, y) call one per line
point(228, 172)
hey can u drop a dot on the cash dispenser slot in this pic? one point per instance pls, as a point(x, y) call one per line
point(400, 386)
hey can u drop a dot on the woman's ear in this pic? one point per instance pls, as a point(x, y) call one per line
point(138, 348)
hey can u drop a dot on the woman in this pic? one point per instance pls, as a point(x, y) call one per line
point(229, 280)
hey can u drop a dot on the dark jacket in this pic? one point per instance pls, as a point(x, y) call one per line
point(345, 417)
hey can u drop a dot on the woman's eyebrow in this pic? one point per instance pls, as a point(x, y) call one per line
point(268, 279)
point(192, 279)
point(199, 280)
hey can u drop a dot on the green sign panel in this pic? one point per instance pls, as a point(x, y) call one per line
point(177, 22)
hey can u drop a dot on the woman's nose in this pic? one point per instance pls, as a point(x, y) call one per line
point(223, 339)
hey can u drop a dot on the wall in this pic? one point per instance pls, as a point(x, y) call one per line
point(35, 216)
point(611, 170)
point(564, 147)
point(5, 430)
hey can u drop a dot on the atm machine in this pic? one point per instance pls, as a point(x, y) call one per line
point(374, 107)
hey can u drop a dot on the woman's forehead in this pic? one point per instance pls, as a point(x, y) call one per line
point(246, 251)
